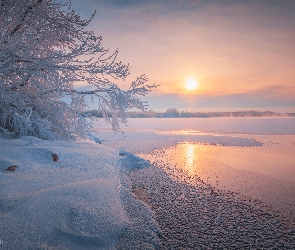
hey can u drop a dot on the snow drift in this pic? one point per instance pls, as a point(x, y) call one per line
point(77, 202)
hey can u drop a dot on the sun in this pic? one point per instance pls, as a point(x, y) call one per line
point(191, 84)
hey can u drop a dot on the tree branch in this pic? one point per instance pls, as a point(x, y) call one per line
point(24, 17)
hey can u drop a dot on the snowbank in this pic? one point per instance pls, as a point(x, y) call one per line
point(78, 202)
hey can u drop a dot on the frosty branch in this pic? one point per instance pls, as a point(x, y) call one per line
point(44, 50)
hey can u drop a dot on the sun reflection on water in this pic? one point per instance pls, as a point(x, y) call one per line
point(217, 166)
point(190, 155)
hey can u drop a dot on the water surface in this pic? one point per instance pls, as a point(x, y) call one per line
point(245, 125)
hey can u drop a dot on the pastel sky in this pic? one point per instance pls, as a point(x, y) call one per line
point(241, 52)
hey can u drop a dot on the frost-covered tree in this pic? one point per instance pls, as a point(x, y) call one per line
point(45, 49)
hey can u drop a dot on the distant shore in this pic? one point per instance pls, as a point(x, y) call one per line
point(174, 113)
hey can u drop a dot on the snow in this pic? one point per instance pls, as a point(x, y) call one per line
point(94, 138)
point(74, 202)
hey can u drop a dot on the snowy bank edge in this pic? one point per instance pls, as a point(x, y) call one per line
point(13, 186)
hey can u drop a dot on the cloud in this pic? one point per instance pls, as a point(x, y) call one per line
point(125, 3)
point(269, 97)
point(179, 5)
point(227, 102)
point(236, 49)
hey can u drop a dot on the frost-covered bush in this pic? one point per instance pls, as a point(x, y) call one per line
point(44, 49)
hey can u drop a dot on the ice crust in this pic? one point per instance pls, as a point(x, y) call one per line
point(138, 141)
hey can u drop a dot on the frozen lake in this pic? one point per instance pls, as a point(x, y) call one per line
point(275, 158)
point(259, 126)
point(254, 157)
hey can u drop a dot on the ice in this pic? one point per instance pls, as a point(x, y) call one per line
point(198, 216)
point(138, 141)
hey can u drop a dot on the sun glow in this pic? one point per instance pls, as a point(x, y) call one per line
point(191, 84)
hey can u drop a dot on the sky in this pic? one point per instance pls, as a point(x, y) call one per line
point(241, 53)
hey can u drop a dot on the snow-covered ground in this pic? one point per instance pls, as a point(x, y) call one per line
point(103, 196)
point(82, 201)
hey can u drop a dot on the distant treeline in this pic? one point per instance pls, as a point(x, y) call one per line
point(174, 113)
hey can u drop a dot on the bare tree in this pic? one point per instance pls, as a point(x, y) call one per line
point(44, 50)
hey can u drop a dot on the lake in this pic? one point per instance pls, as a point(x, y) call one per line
point(250, 125)
point(254, 157)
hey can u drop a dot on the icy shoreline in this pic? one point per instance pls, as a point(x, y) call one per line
point(172, 196)
point(195, 215)
point(106, 197)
